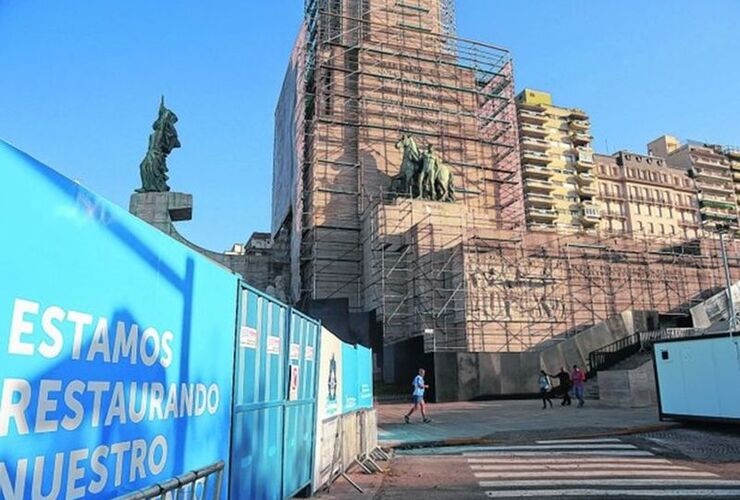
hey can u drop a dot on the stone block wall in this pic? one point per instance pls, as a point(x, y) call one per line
point(628, 388)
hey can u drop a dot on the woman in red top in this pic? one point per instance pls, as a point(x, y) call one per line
point(578, 378)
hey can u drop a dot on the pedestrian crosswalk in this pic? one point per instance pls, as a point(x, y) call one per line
point(590, 468)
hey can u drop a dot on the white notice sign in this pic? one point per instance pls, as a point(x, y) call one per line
point(273, 345)
point(309, 353)
point(295, 351)
point(248, 337)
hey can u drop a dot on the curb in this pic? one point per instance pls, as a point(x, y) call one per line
point(490, 439)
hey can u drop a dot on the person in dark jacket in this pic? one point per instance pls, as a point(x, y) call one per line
point(564, 385)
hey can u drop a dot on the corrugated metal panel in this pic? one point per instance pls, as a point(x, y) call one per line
point(257, 441)
point(300, 411)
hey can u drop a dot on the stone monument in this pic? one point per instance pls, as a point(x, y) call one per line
point(258, 260)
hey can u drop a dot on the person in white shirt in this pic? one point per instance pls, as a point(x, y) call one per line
point(418, 397)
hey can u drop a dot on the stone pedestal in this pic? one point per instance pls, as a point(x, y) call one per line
point(162, 209)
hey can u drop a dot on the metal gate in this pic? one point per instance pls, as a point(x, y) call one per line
point(300, 410)
point(274, 398)
point(259, 397)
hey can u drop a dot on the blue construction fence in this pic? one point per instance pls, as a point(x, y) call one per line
point(127, 359)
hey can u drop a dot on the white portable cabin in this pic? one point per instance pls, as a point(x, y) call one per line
point(699, 378)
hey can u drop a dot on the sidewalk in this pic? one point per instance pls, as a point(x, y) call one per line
point(498, 421)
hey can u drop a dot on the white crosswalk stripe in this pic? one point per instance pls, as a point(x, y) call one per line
point(590, 468)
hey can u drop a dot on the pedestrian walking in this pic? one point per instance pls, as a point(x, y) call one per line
point(564, 385)
point(579, 378)
point(545, 388)
point(418, 397)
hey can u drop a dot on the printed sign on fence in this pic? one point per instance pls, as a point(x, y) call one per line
point(293, 387)
point(273, 345)
point(248, 337)
point(295, 352)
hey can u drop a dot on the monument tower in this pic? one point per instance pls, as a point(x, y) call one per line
point(363, 74)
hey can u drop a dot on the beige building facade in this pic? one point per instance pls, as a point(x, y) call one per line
point(644, 196)
point(710, 166)
point(559, 186)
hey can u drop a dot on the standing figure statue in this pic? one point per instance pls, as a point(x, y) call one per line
point(404, 181)
point(444, 189)
point(162, 141)
point(427, 176)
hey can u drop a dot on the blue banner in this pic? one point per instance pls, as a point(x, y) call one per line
point(349, 378)
point(116, 344)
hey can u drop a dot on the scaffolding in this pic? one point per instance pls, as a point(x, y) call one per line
point(374, 70)
point(466, 285)
point(466, 276)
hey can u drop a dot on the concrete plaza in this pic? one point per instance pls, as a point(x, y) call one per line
point(501, 421)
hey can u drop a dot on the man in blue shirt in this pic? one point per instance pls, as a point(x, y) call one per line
point(418, 397)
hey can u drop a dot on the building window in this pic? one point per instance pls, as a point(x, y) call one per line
point(639, 226)
point(651, 227)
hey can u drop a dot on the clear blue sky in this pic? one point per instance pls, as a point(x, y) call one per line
point(80, 82)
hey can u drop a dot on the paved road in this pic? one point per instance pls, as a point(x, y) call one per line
point(565, 468)
point(505, 420)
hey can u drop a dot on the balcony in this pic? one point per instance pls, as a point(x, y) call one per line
point(585, 178)
point(532, 116)
point(538, 185)
point(542, 214)
point(586, 190)
point(527, 129)
point(736, 175)
point(585, 155)
point(712, 175)
point(540, 226)
point(534, 170)
point(578, 114)
point(580, 138)
point(539, 200)
point(706, 187)
point(533, 144)
point(713, 215)
point(580, 125)
point(590, 211)
point(535, 157)
point(688, 223)
point(717, 203)
point(711, 161)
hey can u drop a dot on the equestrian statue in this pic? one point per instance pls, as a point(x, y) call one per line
point(423, 175)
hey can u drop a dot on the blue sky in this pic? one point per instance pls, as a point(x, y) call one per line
point(80, 83)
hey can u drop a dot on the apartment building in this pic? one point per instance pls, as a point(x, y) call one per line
point(559, 186)
point(733, 155)
point(710, 168)
point(645, 196)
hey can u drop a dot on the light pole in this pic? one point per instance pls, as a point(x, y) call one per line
point(722, 229)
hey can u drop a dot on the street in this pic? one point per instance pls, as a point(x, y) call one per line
point(640, 467)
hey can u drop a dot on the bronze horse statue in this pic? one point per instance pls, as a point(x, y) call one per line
point(422, 175)
point(409, 165)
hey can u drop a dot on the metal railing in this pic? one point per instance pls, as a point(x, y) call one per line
point(609, 355)
point(199, 484)
point(612, 354)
